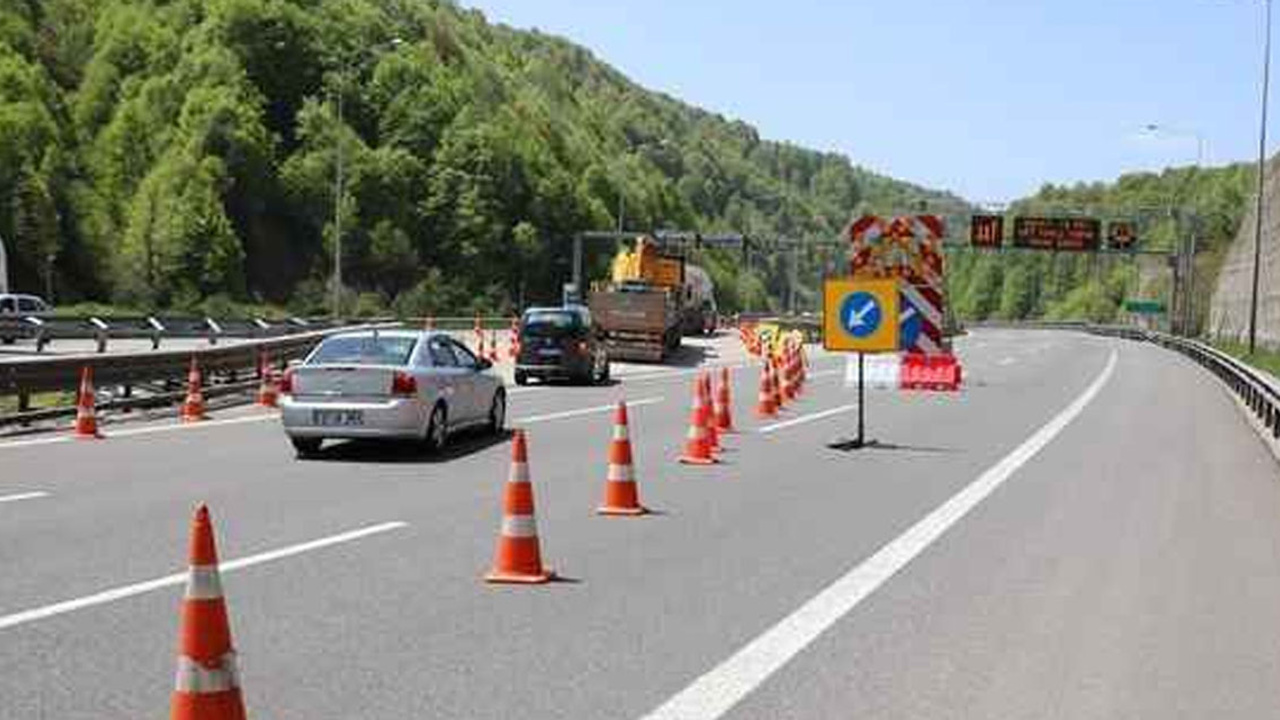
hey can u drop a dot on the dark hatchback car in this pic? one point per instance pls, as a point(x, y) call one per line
point(561, 343)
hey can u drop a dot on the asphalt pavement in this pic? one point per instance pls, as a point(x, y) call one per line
point(1121, 560)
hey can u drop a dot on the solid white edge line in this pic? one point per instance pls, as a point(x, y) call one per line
point(191, 426)
point(715, 693)
point(127, 591)
point(807, 418)
point(23, 496)
point(135, 432)
point(584, 411)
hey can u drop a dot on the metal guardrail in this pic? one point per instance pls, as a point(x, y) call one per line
point(162, 370)
point(45, 329)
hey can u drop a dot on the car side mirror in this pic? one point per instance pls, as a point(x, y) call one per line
point(483, 364)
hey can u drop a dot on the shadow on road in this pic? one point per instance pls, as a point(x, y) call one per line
point(876, 445)
point(370, 451)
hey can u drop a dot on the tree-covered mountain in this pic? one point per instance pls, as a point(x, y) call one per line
point(160, 153)
point(1018, 285)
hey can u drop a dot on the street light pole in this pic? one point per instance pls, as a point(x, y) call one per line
point(337, 211)
point(345, 71)
point(1262, 166)
point(4, 268)
point(1182, 313)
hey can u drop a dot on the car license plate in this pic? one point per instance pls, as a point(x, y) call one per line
point(337, 418)
point(549, 352)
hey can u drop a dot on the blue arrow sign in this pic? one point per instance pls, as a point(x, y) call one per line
point(910, 323)
point(860, 314)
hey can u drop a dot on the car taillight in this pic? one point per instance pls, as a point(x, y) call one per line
point(582, 347)
point(403, 383)
point(286, 382)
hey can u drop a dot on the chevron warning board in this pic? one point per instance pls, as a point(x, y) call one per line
point(907, 248)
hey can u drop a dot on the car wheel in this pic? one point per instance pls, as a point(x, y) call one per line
point(306, 447)
point(498, 413)
point(522, 379)
point(437, 429)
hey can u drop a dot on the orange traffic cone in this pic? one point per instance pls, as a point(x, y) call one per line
point(193, 406)
point(518, 558)
point(86, 415)
point(724, 405)
point(793, 367)
point(208, 686)
point(621, 496)
point(513, 339)
point(765, 406)
point(268, 393)
point(788, 374)
point(800, 374)
point(697, 449)
point(775, 372)
point(713, 433)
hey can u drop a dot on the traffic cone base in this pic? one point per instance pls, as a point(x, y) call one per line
point(691, 460)
point(622, 511)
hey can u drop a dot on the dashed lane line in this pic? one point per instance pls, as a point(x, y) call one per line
point(714, 694)
point(23, 496)
point(807, 418)
point(584, 411)
point(178, 578)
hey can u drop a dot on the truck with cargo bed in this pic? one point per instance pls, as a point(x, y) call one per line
point(641, 307)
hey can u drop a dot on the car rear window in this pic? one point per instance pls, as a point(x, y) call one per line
point(552, 323)
point(364, 350)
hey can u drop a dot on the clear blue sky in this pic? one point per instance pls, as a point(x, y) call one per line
point(987, 98)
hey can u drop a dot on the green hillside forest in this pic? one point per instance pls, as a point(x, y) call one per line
point(183, 153)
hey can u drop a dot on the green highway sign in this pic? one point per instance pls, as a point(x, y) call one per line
point(1144, 307)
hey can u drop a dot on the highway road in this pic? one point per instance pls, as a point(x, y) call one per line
point(1089, 530)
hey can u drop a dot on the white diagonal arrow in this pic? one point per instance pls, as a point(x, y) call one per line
point(858, 317)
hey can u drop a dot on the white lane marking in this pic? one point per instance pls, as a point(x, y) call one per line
point(152, 430)
point(179, 578)
point(825, 373)
point(23, 496)
point(1006, 361)
point(36, 442)
point(807, 418)
point(665, 374)
point(715, 693)
point(584, 411)
point(191, 426)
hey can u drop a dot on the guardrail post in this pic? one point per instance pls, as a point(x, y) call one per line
point(214, 330)
point(41, 334)
point(100, 329)
point(157, 329)
point(24, 401)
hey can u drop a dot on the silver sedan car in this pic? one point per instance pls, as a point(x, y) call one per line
point(397, 384)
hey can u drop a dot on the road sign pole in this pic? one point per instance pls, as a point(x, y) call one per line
point(858, 441)
point(861, 440)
